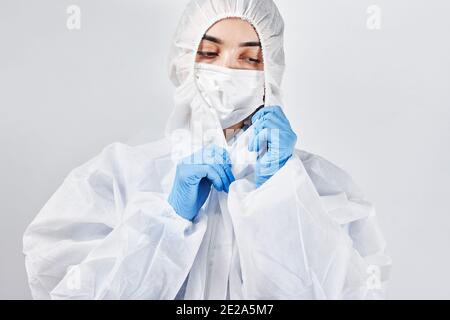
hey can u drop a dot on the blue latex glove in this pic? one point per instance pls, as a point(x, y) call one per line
point(194, 177)
point(274, 141)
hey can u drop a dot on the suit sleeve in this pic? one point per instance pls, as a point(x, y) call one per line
point(105, 234)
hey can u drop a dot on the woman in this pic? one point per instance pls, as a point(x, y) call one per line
point(224, 207)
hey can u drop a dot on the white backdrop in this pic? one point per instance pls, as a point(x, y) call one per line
point(374, 101)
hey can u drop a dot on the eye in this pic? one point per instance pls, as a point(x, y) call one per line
point(251, 60)
point(251, 56)
point(207, 54)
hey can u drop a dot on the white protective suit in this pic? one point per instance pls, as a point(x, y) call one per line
point(109, 233)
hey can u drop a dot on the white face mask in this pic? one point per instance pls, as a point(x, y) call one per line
point(234, 94)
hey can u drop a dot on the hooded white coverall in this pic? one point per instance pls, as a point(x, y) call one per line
point(109, 233)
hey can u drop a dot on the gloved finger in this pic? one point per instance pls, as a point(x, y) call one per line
point(252, 143)
point(277, 117)
point(219, 159)
point(260, 140)
point(278, 128)
point(269, 121)
point(269, 124)
point(266, 167)
point(209, 154)
point(222, 156)
point(213, 176)
point(256, 128)
point(229, 173)
point(225, 160)
point(226, 168)
point(266, 110)
point(223, 176)
point(273, 132)
point(214, 154)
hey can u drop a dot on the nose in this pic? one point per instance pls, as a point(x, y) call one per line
point(228, 60)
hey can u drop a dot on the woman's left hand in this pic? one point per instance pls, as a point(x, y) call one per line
point(274, 140)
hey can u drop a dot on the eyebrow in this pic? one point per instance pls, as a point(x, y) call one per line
point(243, 44)
point(250, 44)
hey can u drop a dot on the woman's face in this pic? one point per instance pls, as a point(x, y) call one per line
point(232, 43)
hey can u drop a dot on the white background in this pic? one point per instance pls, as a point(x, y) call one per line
point(375, 102)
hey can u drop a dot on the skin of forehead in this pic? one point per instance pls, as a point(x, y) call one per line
point(233, 31)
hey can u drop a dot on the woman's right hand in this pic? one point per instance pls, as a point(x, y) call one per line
point(194, 177)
